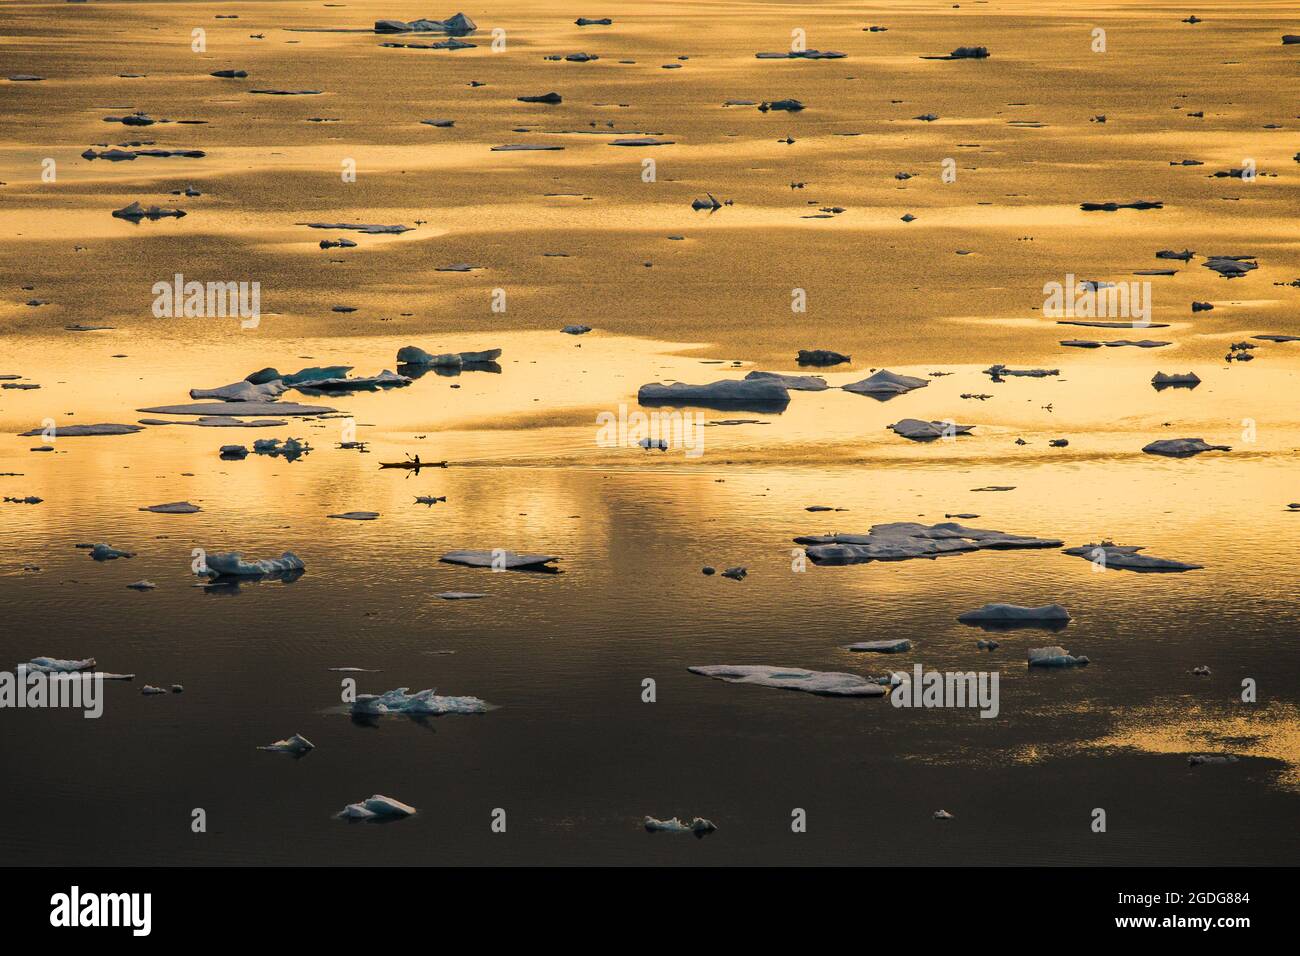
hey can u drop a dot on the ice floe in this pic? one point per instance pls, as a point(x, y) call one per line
point(1008, 616)
point(730, 393)
point(506, 560)
point(823, 683)
point(1055, 656)
point(886, 384)
point(698, 826)
point(424, 702)
point(232, 564)
point(174, 508)
point(899, 541)
point(376, 808)
point(1181, 447)
point(297, 745)
point(1107, 554)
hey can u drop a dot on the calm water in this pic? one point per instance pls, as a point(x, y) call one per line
point(570, 751)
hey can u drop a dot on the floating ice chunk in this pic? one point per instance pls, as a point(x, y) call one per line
point(1231, 267)
point(1277, 338)
point(795, 383)
point(411, 355)
point(1001, 371)
point(297, 745)
point(699, 826)
point(461, 595)
point(356, 515)
point(174, 508)
point(501, 559)
point(820, 357)
point(377, 807)
point(576, 329)
point(943, 815)
point(824, 683)
point(886, 384)
point(1196, 760)
point(369, 228)
point(105, 552)
point(142, 586)
point(1181, 447)
point(232, 564)
point(234, 452)
point(918, 430)
point(55, 665)
point(81, 431)
point(1055, 656)
point(896, 646)
point(899, 541)
point(425, 702)
point(1126, 557)
point(730, 393)
point(1177, 380)
point(148, 690)
point(244, 391)
point(1010, 615)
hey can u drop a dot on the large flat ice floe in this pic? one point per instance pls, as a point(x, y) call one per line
point(1181, 447)
point(232, 564)
point(886, 384)
point(424, 702)
point(917, 430)
point(82, 431)
point(795, 383)
point(754, 394)
point(901, 540)
point(1126, 557)
point(1011, 615)
point(174, 508)
point(501, 559)
point(823, 683)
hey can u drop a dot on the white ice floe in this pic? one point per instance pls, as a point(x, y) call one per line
point(231, 563)
point(943, 815)
point(55, 665)
point(1015, 613)
point(242, 391)
point(1055, 656)
point(173, 508)
point(377, 807)
point(795, 383)
point(81, 431)
point(729, 393)
point(1181, 447)
point(1107, 554)
point(500, 559)
point(699, 826)
point(824, 683)
point(917, 430)
point(883, 647)
point(297, 745)
point(423, 702)
point(886, 383)
point(899, 541)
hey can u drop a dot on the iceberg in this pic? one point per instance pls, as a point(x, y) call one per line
point(232, 564)
point(795, 383)
point(425, 702)
point(823, 683)
point(297, 745)
point(918, 430)
point(899, 541)
point(499, 558)
point(1126, 557)
point(1181, 447)
point(699, 826)
point(377, 807)
point(883, 647)
point(1055, 656)
point(458, 25)
point(886, 384)
point(732, 393)
point(412, 355)
point(1014, 615)
point(244, 391)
